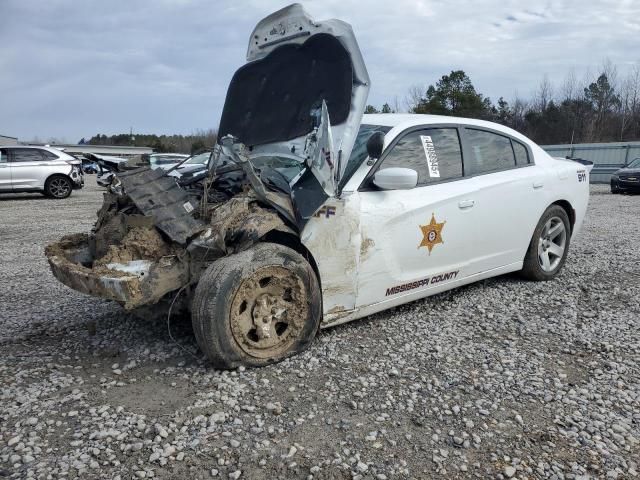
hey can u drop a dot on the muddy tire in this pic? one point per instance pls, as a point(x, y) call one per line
point(58, 186)
point(549, 245)
point(256, 307)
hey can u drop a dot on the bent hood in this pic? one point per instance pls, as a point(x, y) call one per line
point(301, 93)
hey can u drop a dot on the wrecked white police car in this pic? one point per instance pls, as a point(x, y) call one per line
point(299, 223)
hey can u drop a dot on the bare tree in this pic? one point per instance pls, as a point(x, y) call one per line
point(413, 97)
point(630, 102)
point(543, 94)
point(570, 89)
point(518, 111)
point(396, 105)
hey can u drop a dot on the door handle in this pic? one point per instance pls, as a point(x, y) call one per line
point(537, 185)
point(466, 204)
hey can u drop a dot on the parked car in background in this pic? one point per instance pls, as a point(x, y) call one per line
point(627, 179)
point(106, 167)
point(39, 169)
point(89, 166)
point(166, 161)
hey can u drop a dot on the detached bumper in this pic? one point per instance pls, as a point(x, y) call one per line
point(132, 284)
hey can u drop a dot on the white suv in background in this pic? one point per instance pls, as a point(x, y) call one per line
point(39, 169)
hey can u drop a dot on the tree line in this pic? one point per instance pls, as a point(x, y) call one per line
point(599, 108)
point(195, 143)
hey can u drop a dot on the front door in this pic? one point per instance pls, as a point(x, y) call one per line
point(5, 170)
point(414, 240)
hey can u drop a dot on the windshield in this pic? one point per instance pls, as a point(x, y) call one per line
point(287, 167)
point(359, 152)
point(635, 163)
point(200, 159)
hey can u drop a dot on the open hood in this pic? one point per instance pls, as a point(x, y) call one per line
point(301, 94)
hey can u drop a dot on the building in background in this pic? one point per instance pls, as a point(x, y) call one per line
point(606, 157)
point(4, 140)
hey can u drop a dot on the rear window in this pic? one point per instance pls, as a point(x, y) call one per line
point(49, 155)
point(490, 152)
point(522, 156)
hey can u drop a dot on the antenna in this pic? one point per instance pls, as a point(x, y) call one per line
point(573, 131)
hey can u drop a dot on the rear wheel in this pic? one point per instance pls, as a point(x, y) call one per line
point(256, 307)
point(58, 186)
point(549, 245)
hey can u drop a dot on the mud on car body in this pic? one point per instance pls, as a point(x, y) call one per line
point(309, 214)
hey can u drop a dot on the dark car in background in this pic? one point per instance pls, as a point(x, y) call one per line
point(627, 179)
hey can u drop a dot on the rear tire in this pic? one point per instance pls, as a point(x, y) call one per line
point(549, 245)
point(58, 186)
point(256, 307)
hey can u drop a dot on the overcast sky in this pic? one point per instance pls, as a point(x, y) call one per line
point(71, 69)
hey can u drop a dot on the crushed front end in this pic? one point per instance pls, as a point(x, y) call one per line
point(288, 126)
point(154, 236)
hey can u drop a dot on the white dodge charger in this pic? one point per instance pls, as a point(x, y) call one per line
point(311, 214)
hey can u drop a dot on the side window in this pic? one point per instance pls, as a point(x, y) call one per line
point(522, 156)
point(48, 155)
point(21, 155)
point(490, 152)
point(434, 153)
point(3, 155)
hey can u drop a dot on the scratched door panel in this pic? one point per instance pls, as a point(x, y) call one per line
point(414, 239)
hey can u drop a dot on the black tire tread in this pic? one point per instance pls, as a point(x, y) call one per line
point(221, 277)
point(531, 269)
point(48, 181)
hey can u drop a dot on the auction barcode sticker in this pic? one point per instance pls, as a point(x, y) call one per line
point(188, 207)
point(430, 153)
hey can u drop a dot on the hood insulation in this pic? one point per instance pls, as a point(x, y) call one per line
point(279, 97)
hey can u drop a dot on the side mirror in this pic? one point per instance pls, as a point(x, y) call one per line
point(396, 179)
point(375, 144)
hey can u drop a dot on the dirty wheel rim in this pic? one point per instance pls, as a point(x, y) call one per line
point(268, 312)
point(59, 187)
point(552, 244)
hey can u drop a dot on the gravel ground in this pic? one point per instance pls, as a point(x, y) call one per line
point(501, 379)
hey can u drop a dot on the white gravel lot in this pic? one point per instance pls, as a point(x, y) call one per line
point(501, 379)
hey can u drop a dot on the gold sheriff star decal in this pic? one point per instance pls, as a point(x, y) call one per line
point(432, 234)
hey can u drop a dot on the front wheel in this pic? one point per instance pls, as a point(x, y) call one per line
point(58, 186)
point(614, 187)
point(549, 245)
point(256, 307)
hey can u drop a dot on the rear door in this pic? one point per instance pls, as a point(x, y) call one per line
point(414, 240)
point(29, 167)
point(509, 196)
point(5, 170)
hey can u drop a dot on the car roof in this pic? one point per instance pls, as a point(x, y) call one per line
point(408, 120)
point(55, 150)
